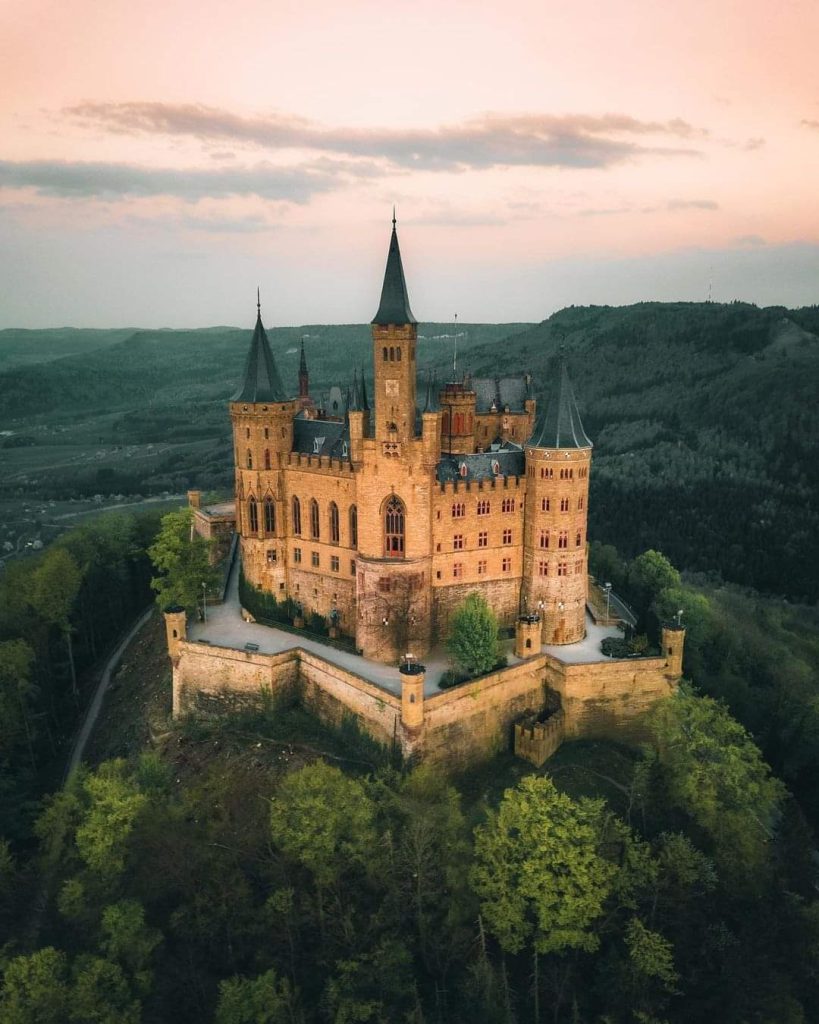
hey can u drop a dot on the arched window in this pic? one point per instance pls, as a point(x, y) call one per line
point(267, 458)
point(297, 517)
point(577, 539)
point(385, 353)
point(334, 532)
point(253, 515)
point(394, 522)
point(315, 529)
point(249, 459)
point(392, 354)
point(269, 515)
point(398, 353)
point(353, 526)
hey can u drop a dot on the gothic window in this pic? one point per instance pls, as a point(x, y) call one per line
point(296, 517)
point(353, 526)
point(458, 510)
point(385, 353)
point(577, 539)
point(398, 354)
point(563, 539)
point(267, 458)
point(544, 538)
point(392, 354)
point(545, 505)
point(253, 515)
point(334, 531)
point(249, 459)
point(564, 504)
point(269, 515)
point(394, 525)
point(315, 530)
point(483, 507)
point(508, 505)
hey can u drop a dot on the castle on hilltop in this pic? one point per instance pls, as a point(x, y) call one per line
point(383, 519)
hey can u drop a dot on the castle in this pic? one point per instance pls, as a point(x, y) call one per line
point(384, 519)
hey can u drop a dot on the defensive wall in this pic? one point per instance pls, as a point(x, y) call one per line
point(603, 699)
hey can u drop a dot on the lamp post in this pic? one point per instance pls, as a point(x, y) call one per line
point(607, 588)
point(204, 603)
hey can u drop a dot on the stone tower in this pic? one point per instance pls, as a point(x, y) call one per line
point(262, 418)
point(555, 562)
point(395, 333)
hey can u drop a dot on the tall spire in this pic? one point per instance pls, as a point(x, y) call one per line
point(304, 377)
point(355, 395)
point(558, 424)
point(302, 358)
point(261, 381)
point(394, 307)
point(365, 405)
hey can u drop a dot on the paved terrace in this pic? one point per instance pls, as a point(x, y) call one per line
point(225, 627)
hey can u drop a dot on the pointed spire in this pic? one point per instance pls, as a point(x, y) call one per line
point(365, 404)
point(431, 404)
point(302, 358)
point(558, 424)
point(355, 395)
point(394, 307)
point(261, 381)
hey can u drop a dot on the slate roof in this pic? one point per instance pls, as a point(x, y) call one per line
point(431, 403)
point(261, 381)
point(394, 307)
point(509, 457)
point(503, 391)
point(321, 437)
point(559, 424)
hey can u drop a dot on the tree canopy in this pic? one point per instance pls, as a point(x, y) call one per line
point(474, 641)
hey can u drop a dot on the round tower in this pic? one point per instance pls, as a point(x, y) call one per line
point(555, 559)
point(262, 419)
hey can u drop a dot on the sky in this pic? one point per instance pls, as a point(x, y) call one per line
point(159, 160)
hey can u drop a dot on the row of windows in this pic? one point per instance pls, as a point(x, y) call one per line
point(458, 568)
point(334, 529)
point(563, 568)
point(266, 435)
point(393, 353)
point(562, 538)
point(315, 561)
point(458, 542)
point(483, 507)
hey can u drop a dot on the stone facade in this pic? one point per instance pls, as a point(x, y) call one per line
point(391, 517)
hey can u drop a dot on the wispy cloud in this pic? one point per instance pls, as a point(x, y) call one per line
point(491, 140)
point(692, 204)
point(69, 179)
point(807, 123)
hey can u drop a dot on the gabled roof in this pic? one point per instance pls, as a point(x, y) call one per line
point(261, 381)
point(559, 424)
point(321, 437)
point(500, 392)
point(394, 307)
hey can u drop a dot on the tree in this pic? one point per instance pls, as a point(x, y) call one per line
point(16, 692)
point(128, 940)
point(181, 558)
point(714, 771)
point(54, 590)
point(538, 871)
point(261, 1000)
point(649, 574)
point(473, 639)
point(114, 801)
point(323, 820)
point(35, 989)
point(100, 994)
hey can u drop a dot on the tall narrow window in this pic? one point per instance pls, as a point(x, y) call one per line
point(267, 458)
point(269, 515)
point(385, 354)
point(253, 515)
point(353, 526)
point(334, 532)
point(394, 523)
point(563, 539)
point(315, 530)
point(249, 459)
point(297, 517)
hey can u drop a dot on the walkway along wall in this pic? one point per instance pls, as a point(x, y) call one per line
point(605, 699)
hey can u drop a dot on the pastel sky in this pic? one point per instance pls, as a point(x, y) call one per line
point(160, 159)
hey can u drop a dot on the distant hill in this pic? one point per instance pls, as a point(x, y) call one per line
point(19, 347)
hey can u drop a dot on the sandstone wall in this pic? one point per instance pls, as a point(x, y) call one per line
point(209, 669)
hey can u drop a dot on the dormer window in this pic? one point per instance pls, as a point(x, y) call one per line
point(318, 443)
point(345, 450)
point(495, 467)
point(463, 469)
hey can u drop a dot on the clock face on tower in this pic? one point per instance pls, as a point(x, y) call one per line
point(392, 388)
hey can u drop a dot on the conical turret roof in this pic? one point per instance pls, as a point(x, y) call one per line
point(394, 307)
point(558, 424)
point(261, 381)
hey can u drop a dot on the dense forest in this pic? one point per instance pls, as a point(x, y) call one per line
point(252, 865)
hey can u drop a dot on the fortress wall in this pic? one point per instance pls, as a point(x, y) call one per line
point(333, 692)
point(209, 669)
point(502, 595)
point(608, 699)
point(475, 720)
